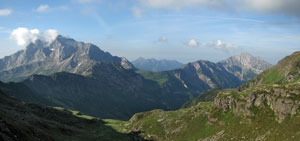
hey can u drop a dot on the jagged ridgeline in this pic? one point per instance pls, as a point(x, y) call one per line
point(80, 76)
point(63, 54)
point(266, 108)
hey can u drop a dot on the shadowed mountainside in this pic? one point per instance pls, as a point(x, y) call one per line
point(21, 121)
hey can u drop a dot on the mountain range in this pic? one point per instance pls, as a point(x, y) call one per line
point(265, 108)
point(156, 65)
point(239, 98)
point(80, 76)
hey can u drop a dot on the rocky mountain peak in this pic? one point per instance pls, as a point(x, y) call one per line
point(245, 66)
point(63, 54)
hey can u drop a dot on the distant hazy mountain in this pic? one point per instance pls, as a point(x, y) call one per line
point(156, 65)
point(63, 54)
point(245, 66)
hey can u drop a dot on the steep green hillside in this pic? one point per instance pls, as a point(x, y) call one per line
point(286, 71)
point(20, 121)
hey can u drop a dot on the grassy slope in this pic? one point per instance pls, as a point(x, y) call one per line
point(205, 97)
point(289, 66)
point(159, 77)
point(193, 123)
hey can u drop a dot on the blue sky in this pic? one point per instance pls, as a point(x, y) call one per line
point(186, 30)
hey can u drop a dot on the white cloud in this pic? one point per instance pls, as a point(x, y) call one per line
point(137, 12)
point(5, 12)
point(24, 36)
point(220, 45)
point(50, 35)
point(163, 39)
point(46, 8)
point(192, 43)
point(43, 8)
point(180, 4)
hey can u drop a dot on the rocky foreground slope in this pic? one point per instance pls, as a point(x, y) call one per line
point(267, 108)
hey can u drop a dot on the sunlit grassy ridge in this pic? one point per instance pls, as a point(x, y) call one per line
point(75, 113)
point(286, 71)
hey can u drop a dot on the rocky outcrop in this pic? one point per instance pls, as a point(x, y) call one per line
point(283, 100)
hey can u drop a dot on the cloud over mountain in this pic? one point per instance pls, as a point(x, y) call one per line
point(24, 36)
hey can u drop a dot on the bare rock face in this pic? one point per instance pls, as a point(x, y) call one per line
point(206, 74)
point(63, 54)
point(282, 99)
point(245, 66)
